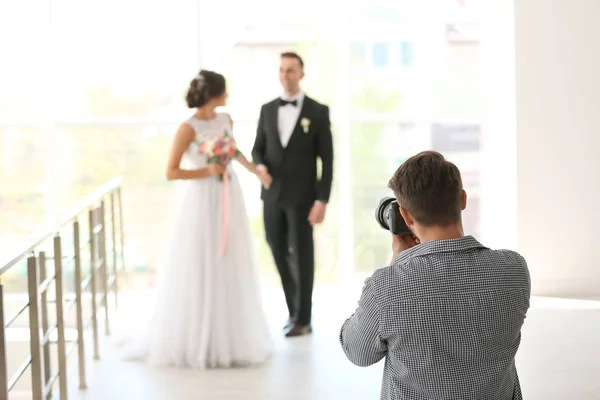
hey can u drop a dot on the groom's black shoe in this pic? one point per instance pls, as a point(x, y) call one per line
point(298, 330)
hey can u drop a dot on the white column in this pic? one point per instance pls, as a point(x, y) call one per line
point(558, 144)
point(343, 177)
point(51, 170)
point(498, 130)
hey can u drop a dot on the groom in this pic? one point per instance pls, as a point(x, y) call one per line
point(292, 132)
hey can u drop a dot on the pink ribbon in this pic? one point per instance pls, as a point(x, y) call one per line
point(225, 209)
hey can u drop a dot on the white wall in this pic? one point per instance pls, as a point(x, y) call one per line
point(558, 144)
point(499, 131)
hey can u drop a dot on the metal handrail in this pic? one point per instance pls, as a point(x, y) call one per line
point(100, 282)
point(21, 255)
point(46, 234)
point(83, 205)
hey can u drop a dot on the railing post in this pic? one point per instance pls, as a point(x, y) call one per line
point(60, 319)
point(114, 247)
point(104, 266)
point(38, 308)
point(79, 306)
point(34, 329)
point(45, 325)
point(92, 223)
point(120, 198)
point(3, 355)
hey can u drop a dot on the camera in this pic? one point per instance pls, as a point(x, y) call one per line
point(389, 218)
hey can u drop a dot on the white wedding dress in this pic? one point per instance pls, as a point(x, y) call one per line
point(208, 310)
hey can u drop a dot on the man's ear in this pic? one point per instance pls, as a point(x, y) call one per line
point(463, 200)
point(408, 219)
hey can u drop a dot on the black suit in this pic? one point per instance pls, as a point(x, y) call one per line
point(293, 191)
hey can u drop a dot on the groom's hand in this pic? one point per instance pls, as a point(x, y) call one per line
point(264, 176)
point(317, 213)
point(266, 180)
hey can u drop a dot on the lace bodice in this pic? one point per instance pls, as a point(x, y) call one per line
point(206, 129)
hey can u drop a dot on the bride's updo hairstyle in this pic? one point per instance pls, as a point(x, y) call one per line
point(205, 86)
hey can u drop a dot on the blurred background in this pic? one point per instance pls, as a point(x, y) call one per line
point(98, 91)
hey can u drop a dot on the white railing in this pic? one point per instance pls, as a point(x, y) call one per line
point(95, 279)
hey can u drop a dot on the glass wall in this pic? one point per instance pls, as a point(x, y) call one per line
point(93, 91)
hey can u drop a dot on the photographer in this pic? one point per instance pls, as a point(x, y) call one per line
point(447, 313)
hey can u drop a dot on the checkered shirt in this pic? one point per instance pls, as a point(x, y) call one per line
point(447, 318)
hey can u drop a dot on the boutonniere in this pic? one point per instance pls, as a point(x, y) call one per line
point(305, 122)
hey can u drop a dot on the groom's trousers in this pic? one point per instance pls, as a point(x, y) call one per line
point(290, 237)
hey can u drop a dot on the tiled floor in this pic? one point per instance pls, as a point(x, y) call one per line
point(558, 361)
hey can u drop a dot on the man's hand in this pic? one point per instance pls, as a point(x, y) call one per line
point(263, 174)
point(265, 179)
point(403, 242)
point(317, 213)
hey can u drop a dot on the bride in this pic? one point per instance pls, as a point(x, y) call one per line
point(208, 311)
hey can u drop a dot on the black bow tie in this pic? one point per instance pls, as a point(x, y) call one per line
point(283, 102)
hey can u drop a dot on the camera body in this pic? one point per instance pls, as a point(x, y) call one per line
point(389, 218)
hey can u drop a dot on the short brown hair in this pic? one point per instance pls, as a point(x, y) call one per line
point(430, 188)
point(291, 54)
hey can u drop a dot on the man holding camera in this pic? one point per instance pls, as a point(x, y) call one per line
point(447, 313)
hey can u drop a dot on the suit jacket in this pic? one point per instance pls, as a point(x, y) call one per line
point(294, 168)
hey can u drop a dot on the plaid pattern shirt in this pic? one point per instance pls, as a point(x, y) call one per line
point(447, 317)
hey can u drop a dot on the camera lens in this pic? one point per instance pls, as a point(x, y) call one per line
point(388, 217)
point(382, 212)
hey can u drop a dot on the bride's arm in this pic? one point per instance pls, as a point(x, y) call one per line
point(241, 158)
point(184, 136)
point(265, 180)
point(251, 167)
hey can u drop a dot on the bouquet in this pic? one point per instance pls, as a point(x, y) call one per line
point(219, 149)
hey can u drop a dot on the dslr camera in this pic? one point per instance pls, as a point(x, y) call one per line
point(389, 218)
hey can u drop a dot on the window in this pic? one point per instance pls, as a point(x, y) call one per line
point(358, 53)
point(117, 109)
point(407, 54)
point(380, 53)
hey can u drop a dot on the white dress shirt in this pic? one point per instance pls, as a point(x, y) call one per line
point(287, 117)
